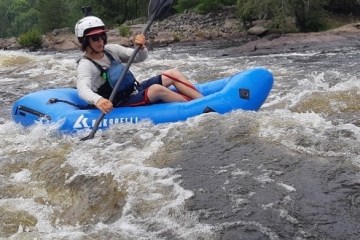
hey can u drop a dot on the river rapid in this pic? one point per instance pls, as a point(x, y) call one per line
point(288, 171)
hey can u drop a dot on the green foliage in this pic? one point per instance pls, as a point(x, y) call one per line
point(177, 37)
point(250, 10)
point(53, 14)
point(206, 6)
point(31, 38)
point(4, 19)
point(16, 7)
point(202, 6)
point(115, 12)
point(183, 5)
point(137, 9)
point(124, 31)
point(349, 7)
point(281, 14)
point(309, 15)
point(25, 21)
point(228, 2)
point(18, 16)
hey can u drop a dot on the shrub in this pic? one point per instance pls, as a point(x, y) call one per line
point(206, 6)
point(251, 10)
point(177, 37)
point(31, 38)
point(124, 31)
point(183, 5)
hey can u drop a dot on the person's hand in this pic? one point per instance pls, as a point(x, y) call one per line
point(140, 40)
point(104, 105)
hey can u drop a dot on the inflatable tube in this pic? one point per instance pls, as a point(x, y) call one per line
point(246, 90)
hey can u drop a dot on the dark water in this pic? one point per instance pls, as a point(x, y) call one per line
point(288, 171)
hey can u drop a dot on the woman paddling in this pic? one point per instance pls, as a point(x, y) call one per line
point(101, 67)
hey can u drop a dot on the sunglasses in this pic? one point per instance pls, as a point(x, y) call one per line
point(98, 37)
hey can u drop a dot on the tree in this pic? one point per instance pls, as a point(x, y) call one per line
point(53, 14)
point(281, 14)
point(25, 21)
point(5, 20)
point(206, 6)
point(228, 2)
point(250, 10)
point(183, 5)
point(202, 6)
point(345, 6)
point(309, 14)
point(20, 17)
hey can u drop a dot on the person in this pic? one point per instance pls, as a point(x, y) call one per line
point(96, 77)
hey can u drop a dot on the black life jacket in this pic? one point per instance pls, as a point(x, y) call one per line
point(112, 75)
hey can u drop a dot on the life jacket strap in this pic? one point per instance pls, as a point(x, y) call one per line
point(105, 90)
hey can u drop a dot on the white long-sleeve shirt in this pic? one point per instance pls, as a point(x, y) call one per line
point(88, 75)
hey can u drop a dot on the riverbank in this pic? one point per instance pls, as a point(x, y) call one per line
point(348, 35)
point(194, 29)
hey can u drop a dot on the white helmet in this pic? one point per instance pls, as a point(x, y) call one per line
point(87, 23)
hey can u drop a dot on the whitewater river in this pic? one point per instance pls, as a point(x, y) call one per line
point(288, 171)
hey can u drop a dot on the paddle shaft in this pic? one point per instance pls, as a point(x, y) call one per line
point(113, 94)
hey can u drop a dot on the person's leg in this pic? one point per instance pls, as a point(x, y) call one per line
point(176, 78)
point(157, 92)
point(152, 91)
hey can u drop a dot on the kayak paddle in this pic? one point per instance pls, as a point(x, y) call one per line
point(155, 11)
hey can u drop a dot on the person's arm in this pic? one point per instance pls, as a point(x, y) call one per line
point(88, 81)
point(85, 74)
point(143, 52)
point(124, 53)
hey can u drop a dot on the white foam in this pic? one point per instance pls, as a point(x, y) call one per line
point(23, 176)
point(41, 212)
point(287, 187)
point(156, 201)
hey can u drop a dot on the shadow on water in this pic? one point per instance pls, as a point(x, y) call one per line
point(250, 189)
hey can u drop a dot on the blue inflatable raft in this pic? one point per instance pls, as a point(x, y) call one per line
point(245, 90)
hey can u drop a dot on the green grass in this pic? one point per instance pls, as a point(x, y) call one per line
point(336, 21)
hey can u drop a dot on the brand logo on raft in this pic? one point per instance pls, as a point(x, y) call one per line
point(82, 122)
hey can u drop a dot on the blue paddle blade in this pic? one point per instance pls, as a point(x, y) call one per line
point(158, 7)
